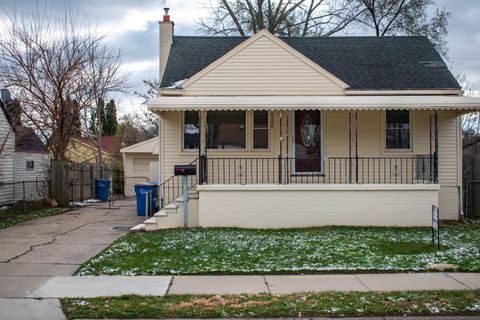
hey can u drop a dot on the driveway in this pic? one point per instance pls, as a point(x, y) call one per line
point(34, 251)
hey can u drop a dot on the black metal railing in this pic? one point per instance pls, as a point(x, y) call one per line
point(417, 169)
point(171, 188)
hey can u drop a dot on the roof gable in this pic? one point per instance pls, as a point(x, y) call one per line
point(256, 63)
point(364, 63)
point(26, 140)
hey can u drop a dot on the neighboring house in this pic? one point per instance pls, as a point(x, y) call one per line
point(140, 164)
point(7, 156)
point(83, 149)
point(32, 163)
point(296, 132)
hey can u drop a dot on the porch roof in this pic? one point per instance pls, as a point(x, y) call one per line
point(377, 102)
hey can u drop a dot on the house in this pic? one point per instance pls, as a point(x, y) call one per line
point(84, 149)
point(32, 163)
point(7, 155)
point(298, 132)
point(24, 160)
point(140, 164)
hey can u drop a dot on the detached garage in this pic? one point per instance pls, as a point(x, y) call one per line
point(140, 164)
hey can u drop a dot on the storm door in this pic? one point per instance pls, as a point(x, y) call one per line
point(308, 141)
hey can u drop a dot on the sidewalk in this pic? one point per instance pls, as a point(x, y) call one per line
point(84, 287)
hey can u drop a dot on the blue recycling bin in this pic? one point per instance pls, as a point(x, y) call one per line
point(102, 188)
point(147, 198)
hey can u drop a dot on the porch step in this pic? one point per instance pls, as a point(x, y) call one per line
point(138, 228)
point(171, 216)
point(151, 224)
point(171, 208)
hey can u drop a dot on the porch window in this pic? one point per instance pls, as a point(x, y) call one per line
point(397, 129)
point(226, 129)
point(260, 130)
point(191, 130)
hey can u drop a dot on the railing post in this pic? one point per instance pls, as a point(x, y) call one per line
point(280, 169)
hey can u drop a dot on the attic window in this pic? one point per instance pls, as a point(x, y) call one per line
point(30, 165)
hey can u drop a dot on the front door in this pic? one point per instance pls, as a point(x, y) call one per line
point(308, 139)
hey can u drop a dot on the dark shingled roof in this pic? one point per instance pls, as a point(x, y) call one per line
point(375, 63)
point(26, 140)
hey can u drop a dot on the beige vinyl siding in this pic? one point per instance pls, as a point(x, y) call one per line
point(263, 68)
point(33, 190)
point(7, 137)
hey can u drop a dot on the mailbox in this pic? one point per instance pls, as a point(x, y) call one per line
point(185, 170)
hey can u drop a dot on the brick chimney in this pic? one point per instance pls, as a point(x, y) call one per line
point(166, 38)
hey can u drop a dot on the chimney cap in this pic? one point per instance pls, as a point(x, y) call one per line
point(166, 11)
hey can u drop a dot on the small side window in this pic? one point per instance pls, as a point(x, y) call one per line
point(260, 130)
point(30, 165)
point(191, 130)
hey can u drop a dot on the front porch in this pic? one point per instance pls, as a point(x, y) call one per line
point(300, 168)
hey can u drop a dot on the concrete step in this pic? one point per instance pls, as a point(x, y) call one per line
point(150, 224)
point(139, 227)
point(160, 214)
point(171, 208)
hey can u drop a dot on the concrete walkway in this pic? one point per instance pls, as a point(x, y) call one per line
point(86, 287)
point(33, 252)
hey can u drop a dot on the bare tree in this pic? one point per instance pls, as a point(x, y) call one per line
point(404, 17)
point(57, 66)
point(280, 17)
point(146, 117)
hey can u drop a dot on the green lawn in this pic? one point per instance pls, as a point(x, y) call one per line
point(10, 217)
point(276, 306)
point(247, 251)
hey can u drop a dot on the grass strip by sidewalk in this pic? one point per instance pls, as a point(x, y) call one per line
point(9, 217)
point(274, 306)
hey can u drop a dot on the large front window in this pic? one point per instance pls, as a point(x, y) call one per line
point(226, 129)
point(397, 129)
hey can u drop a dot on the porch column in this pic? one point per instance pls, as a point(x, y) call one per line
point(202, 148)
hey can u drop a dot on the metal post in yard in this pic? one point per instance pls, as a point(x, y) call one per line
point(185, 200)
point(24, 199)
point(81, 183)
point(147, 207)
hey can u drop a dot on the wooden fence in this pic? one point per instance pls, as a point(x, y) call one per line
point(471, 181)
point(71, 182)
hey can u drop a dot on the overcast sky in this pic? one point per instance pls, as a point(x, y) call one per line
point(133, 26)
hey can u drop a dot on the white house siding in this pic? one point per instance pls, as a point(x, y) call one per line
point(36, 186)
point(6, 161)
point(264, 68)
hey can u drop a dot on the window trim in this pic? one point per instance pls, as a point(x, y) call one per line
point(383, 126)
